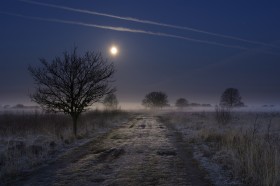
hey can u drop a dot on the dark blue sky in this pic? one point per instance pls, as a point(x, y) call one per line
point(198, 71)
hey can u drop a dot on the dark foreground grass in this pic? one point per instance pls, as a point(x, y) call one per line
point(29, 139)
point(23, 124)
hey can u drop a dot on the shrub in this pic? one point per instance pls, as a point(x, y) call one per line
point(223, 115)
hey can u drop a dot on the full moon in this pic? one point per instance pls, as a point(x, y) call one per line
point(114, 50)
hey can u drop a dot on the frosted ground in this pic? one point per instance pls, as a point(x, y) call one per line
point(29, 140)
point(159, 148)
point(243, 151)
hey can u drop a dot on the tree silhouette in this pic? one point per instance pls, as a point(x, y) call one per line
point(110, 101)
point(231, 98)
point(71, 83)
point(155, 99)
point(181, 103)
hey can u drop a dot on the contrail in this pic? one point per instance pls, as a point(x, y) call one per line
point(123, 29)
point(147, 22)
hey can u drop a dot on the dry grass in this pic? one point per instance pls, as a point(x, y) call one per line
point(223, 115)
point(28, 139)
point(248, 146)
point(24, 124)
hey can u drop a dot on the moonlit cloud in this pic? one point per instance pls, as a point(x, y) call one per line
point(149, 22)
point(123, 29)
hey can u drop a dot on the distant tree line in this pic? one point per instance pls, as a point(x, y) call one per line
point(19, 106)
point(230, 98)
point(182, 103)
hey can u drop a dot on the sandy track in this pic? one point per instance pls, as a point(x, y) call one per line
point(140, 152)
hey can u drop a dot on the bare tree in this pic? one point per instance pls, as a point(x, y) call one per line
point(71, 83)
point(231, 98)
point(155, 99)
point(110, 101)
point(181, 103)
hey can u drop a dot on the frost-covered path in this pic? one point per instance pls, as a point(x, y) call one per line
point(140, 152)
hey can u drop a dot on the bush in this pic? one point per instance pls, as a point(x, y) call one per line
point(223, 115)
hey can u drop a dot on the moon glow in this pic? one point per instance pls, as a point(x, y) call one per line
point(114, 50)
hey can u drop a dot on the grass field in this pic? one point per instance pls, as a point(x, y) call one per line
point(30, 139)
point(245, 149)
point(242, 148)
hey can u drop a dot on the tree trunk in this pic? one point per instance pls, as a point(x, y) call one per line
point(75, 121)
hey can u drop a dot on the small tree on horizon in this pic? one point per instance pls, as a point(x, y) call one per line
point(110, 101)
point(231, 98)
point(181, 103)
point(155, 100)
point(71, 83)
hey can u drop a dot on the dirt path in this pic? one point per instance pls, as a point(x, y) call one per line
point(140, 152)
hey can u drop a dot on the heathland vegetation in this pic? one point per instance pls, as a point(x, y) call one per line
point(28, 140)
point(244, 150)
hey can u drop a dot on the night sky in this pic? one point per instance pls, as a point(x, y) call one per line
point(193, 49)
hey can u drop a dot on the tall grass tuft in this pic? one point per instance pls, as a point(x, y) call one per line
point(223, 115)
